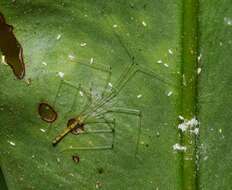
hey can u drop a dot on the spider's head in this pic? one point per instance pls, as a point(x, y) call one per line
point(78, 125)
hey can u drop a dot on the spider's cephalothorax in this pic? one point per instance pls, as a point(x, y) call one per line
point(74, 125)
point(79, 127)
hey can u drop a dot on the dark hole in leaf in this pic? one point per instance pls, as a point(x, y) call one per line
point(11, 48)
point(100, 170)
point(47, 113)
point(76, 159)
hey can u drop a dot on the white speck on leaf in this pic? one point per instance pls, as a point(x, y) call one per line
point(181, 117)
point(61, 74)
point(184, 80)
point(159, 61)
point(169, 93)
point(166, 65)
point(170, 52)
point(81, 93)
point(220, 130)
point(110, 84)
point(179, 147)
point(43, 130)
point(58, 36)
point(228, 21)
point(189, 125)
point(44, 63)
point(144, 23)
point(3, 60)
point(71, 57)
point(115, 26)
point(91, 60)
point(139, 95)
point(83, 44)
point(199, 57)
point(198, 70)
point(11, 143)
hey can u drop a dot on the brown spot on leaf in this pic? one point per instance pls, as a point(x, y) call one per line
point(11, 48)
point(76, 159)
point(47, 113)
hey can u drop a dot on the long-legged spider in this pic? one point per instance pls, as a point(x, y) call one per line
point(96, 109)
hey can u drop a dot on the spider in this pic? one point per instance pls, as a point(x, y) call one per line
point(95, 110)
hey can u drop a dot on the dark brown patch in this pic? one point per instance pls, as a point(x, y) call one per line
point(11, 48)
point(47, 113)
point(76, 159)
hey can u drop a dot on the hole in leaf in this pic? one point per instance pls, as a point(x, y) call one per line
point(47, 113)
point(11, 49)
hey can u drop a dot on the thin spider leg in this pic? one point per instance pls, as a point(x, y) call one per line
point(97, 66)
point(107, 84)
point(81, 90)
point(111, 124)
point(122, 77)
point(55, 99)
point(130, 75)
point(129, 70)
point(132, 112)
point(57, 92)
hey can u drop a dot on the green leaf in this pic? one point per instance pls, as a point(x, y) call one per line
point(82, 40)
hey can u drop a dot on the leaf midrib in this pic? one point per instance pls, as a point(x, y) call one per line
point(189, 92)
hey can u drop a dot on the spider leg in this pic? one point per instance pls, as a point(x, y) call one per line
point(78, 89)
point(100, 67)
point(82, 91)
point(132, 112)
point(110, 129)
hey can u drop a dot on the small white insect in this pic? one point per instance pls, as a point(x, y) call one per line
point(144, 23)
point(195, 131)
point(228, 21)
point(184, 80)
point(139, 95)
point(11, 143)
point(166, 65)
point(81, 93)
point(83, 44)
point(44, 63)
point(3, 60)
point(110, 84)
point(179, 147)
point(199, 57)
point(61, 74)
point(170, 52)
point(91, 60)
point(58, 36)
point(71, 57)
point(43, 130)
point(181, 117)
point(169, 93)
point(198, 70)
